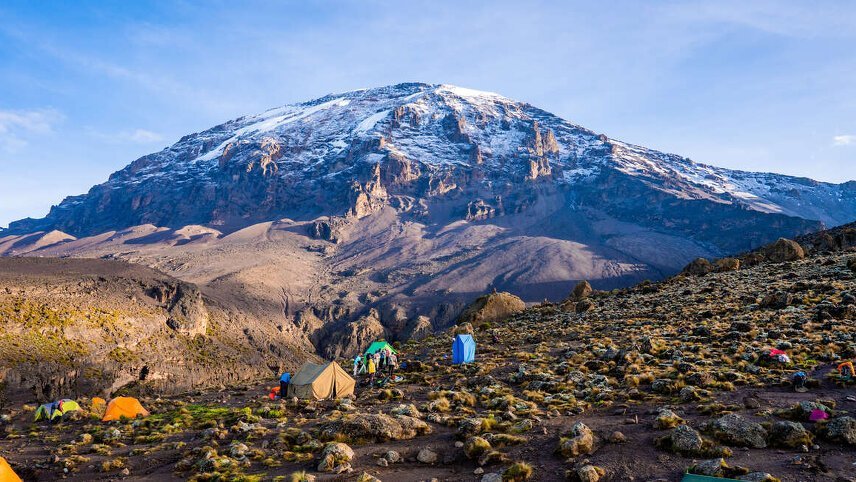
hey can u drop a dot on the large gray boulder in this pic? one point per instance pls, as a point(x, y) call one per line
point(733, 429)
point(842, 429)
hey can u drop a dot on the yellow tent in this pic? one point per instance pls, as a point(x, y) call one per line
point(67, 405)
point(327, 380)
point(6, 472)
point(127, 407)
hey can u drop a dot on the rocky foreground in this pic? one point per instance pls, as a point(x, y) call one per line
point(631, 385)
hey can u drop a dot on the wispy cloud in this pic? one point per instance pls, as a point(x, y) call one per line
point(17, 126)
point(844, 140)
point(135, 136)
point(142, 136)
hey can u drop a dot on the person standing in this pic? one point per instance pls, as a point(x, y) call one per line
point(372, 369)
point(284, 380)
point(357, 362)
point(392, 363)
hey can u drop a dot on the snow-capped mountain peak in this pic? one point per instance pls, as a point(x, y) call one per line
point(417, 140)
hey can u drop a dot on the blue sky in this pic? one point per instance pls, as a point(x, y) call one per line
point(87, 87)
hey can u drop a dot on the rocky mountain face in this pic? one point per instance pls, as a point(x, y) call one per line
point(362, 213)
point(84, 326)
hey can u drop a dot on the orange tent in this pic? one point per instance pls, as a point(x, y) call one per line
point(127, 407)
point(6, 472)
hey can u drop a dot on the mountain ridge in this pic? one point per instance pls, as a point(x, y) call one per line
point(194, 154)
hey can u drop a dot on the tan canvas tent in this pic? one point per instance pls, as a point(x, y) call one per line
point(327, 380)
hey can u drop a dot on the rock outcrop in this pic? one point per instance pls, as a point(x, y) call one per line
point(491, 308)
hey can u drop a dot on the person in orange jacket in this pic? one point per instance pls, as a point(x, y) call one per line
point(846, 371)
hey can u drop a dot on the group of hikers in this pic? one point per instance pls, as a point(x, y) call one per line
point(846, 374)
point(382, 361)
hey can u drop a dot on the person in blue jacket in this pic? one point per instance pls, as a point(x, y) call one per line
point(284, 380)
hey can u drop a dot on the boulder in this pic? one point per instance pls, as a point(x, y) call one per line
point(590, 473)
point(581, 291)
point(727, 264)
point(686, 440)
point(412, 426)
point(698, 267)
point(408, 409)
point(334, 455)
point(710, 468)
point(580, 442)
point(476, 446)
point(367, 477)
point(583, 306)
point(427, 456)
point(392, 456)
point(851, 264)
point(783, 250)
point(733, 429)
point(663, 386)
point(491, 308)
point(777, 300)
point(804, 408)
point(380, 427)
point(842, 429)
point(667, 419)
point(789, 435)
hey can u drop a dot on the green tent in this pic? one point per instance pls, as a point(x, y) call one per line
point(48, 411)
point(705, 478)
point(378, 346)
point(53, 411)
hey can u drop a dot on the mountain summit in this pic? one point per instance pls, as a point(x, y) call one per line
point(383, 212)
point(419, 142)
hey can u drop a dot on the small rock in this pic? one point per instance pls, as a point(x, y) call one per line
point(427, 456)
point(581, 441)
point(335, 456)
point(711, 468)
point(667, 419)
point(392, 456)
point(590, 473)
point(758, 477)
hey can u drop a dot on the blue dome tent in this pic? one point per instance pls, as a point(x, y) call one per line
point(463, 349)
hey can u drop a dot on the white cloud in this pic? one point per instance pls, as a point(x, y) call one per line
point(17, 126)
point(135, 136)
point(844, 140)
point(143, 136)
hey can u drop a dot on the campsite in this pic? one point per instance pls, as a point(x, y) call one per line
point(543, 393)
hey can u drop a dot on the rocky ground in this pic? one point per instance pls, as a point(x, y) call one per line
point(631, 385)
